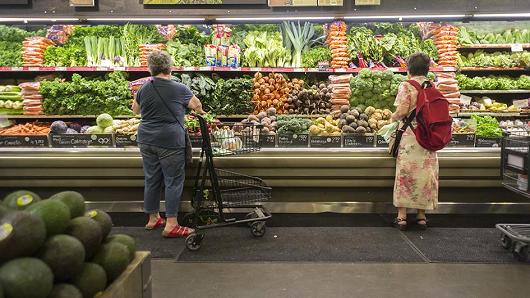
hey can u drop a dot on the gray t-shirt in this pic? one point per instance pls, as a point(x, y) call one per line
point(158, 126)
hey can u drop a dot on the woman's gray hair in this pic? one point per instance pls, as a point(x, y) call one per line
point(159, 62)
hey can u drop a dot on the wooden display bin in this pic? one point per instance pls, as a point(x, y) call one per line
point(135, 281)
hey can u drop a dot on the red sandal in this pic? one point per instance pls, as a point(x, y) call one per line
point(178, 232)
point(160, 222)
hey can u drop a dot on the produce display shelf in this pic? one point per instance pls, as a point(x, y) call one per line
point(492, 46)
point(493, 114)
point(203, 69)
point(495, 91)
point(485, 69)
point(62, 116)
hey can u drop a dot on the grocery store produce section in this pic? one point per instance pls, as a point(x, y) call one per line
point(319, 93)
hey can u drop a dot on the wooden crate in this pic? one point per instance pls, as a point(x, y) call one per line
point(135, 282)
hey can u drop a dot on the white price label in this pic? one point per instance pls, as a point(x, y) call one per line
point(60, 68)
point(120, 68)
point(464, 99)
point(517, 47)
point(521, 103)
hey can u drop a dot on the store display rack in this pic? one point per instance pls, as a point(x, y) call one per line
point(203, 69)
point(492, 46)
point(495, 91)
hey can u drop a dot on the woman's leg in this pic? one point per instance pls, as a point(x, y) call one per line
point(421, 217)
point(153, 183)
point(173, 163)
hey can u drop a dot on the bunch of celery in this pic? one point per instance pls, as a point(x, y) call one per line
point(103, 51)
point(265, 49)
point(297, 39)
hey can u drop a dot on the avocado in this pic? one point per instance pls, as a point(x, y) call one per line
point(21, 234)
point(20, 199)
point(64, 254)
point(127, 241)
point(103, 219)
point(74, 201)
point(55, 215)
point(65, 291)
point(91, 280)
point(26, 278)
point(114, 258)
point(88, 231)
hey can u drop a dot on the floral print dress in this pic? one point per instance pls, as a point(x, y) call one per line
point(416, 184)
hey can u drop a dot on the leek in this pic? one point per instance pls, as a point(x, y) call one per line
point(297, 39)
point(111, 50)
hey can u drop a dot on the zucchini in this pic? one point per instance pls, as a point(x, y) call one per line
point(10, 97)
point(9, 93)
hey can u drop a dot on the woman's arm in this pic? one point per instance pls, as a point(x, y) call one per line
point(196, 105)
point(404, 101)
point(135, 106)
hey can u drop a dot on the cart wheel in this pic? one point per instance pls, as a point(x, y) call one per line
point(521, 253)
point(257, 228)
point(187, 220)
point(506, 242)
point(193, 241)
point(251, 215)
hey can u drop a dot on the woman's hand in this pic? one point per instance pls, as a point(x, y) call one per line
point(196, 105)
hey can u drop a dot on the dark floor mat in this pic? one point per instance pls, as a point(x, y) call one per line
point(460, 245)
point(314, 244)
point(153, 241)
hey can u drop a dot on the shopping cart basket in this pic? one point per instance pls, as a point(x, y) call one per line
point(217, 191)
point(515, 162)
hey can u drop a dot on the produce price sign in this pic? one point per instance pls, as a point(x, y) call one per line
point(462, 140)
point(123, 140)
point(487, 142)
point(293, 140)
point(381, 142)
point(81, 140)
point(325, 142)
point(210, 2)
point(267, 141)
point(358, 141)
point(24, 141)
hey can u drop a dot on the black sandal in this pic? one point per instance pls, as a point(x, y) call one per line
point(398, 223)
point(422, 226)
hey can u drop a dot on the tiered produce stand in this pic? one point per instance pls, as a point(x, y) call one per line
point(340, 90)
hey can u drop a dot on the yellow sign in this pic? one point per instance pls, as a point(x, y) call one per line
point(160, 2)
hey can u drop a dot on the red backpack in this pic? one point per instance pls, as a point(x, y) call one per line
point(434, 125)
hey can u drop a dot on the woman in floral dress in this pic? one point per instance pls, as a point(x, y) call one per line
point(416, 184)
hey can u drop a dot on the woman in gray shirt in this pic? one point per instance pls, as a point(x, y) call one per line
point(162, 141)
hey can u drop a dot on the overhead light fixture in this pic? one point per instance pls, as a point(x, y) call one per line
point(404, 17)
point(116, 19)
point(502, 15)
point(286, 18)
point(27, 20)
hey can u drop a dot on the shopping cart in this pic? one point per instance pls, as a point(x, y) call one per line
point(515, 162)
point(217, 191)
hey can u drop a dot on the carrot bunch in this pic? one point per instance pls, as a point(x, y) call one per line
point(446, 40)
point(32, 98)
point(33, 51)
point(337, 42)
point(148, 48)
point(270, 91)
point(26, 129)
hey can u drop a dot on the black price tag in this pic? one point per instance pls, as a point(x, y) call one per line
point(462, 140)
point(81, 140)
point(24, 141)
point(323, 66)
point(325, 142)
point(358, 141)
point(196, 141)
point(123, 140)
point(487, 142)
point(267, 141)
point(381, 142)
point(293, 140)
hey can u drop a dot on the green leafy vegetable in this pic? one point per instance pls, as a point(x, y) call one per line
point(185, 54)
point(375, 88)
point(293, 125)
point(315, 55)
point(487, 127)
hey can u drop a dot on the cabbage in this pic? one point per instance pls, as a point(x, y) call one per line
point(71, 131)
point(58, 127)
point(109, 129)
point(75, 126)
point(104, 121)
point(94, 130)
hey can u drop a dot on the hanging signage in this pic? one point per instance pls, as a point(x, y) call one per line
point(367, 2)
point(330, 2)
point(82, 3)
point(284, 3)
point(202, 2)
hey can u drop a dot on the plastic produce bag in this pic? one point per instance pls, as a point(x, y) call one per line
point(388, 130)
